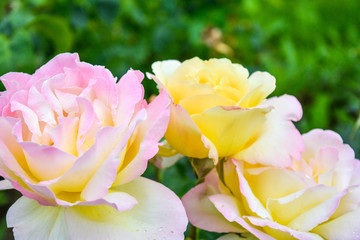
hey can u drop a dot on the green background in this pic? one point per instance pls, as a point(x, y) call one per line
point(311, 47)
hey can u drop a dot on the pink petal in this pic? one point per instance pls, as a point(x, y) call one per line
point(11, 153)
point(64, 135)
point(14, 81)
point(37, 102)
point(145, 143)
point(130, 93)
point(56, 65)
point(29, 116)
point(107, 147)
point(318, 139)
point(203, 214)
point(46, 162)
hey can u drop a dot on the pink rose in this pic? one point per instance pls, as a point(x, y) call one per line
point(317, 198)
point(74, 143)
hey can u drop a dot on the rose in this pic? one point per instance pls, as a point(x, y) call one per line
point(76, 141)
point(218, 111)
point(319, 197)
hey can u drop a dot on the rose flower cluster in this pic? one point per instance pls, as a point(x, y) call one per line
point(75, 140)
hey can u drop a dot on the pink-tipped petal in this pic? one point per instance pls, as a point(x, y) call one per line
point(317, 215)
point(280, 140)
point(158, 215)
point(203, 214)
point(145, 143)
point(130, 93)
point(121, 201)
point(57, 65)
point(273, 227)
point(108, 142)
point(254, 203)
point(343, 227)
point(15, 81)
point(46, 162)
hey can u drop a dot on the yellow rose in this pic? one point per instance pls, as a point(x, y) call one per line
point(219, 111)
point(316, 198)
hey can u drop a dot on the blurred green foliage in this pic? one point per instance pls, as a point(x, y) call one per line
point(311, 47)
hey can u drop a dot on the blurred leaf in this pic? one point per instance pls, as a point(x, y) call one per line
point(319, 111)
point(56, 29)
point(4, 53)
point(20, 18)
point(3, 228)
point(22, 50)
point(4, 199)
point(107, 9)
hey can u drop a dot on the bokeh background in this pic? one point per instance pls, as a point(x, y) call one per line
point(311, 47)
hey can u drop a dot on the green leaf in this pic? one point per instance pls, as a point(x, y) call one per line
point(55, 29)
point(319, 111)
point(4, 54)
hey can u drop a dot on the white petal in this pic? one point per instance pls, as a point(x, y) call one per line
point(31, 220)
point(5, 184)
point(159, 214)
point(164, 69)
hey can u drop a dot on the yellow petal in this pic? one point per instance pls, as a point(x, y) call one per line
point(181, 89)
point(261, 85)
point(230, 128)
point(183, 135)
point(199, 103)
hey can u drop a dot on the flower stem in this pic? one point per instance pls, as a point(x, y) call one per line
point(193, 232)
point(158, 174)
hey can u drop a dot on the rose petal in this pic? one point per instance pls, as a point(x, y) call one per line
point(183, 134)
point(203, 214)
point(26, 216)
point(279, 139)
point(199, 103)
point(130, 93)
point(144, 143)
point(119, 200)
point(230, 129)
point(46, 162)
point(317, 215)
point(11, 153)
point(5, 184)
point(57, 65)
point(158, 215)
point(261, 85)
point(254, 203)
point(15, 81)
point(64, 139)
point(282, 232)
point(343, 227)
point(164, 69)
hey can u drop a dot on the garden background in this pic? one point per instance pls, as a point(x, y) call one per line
point(311, 47)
